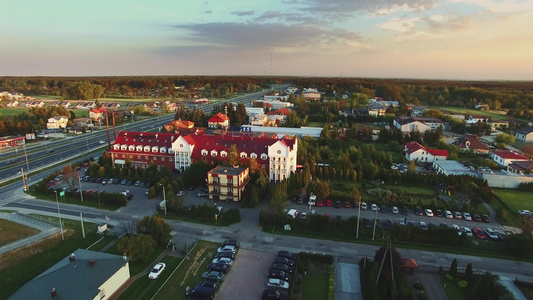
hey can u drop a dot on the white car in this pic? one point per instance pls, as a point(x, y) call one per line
point(181, 193)
point(373, 207)
point(157, 270)
point(467, 216)
point(457, 215)
point(428, 212)
point(395, 210)
point(448, 214)
point(363, 205)
point(423, 225)
point(101, 142)
point(524, 212)
point(491, 233)
point(458, 229)
point(277, 283)
point(227, 248)
point(223, 260)
point(467, 231)
point(58, 177)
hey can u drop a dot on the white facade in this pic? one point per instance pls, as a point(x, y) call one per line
point(114, 282)
point(182, 153)
point(57, 122)
point(422, 155)
point(416, 125)
point(282, 161)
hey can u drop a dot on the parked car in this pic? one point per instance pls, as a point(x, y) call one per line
point(219, 267)
point(347, 204)
point(401, 221)
point(467, 231)
point(124, 181)
point(180, 193)
point(485, 218)
point(524, 212)
point(277, 283)
point(58, 177)
point(491, 233)
point(207, 283)
point(282, 267)
point(319, 202)
point(458, 229)
point(328, 202)
point(467, 216)
point(478, 233)
point(448, 214)
point(272, 294)
point(227, 248)
point(303, 215)
point(373, 207)
point(363, 205)
point(439, 213)
point(275, 273)
point(287, 254)
point(192, 187)
point(443, 225)
point(405, 210)
point(227, 254)
point(428, 212)
point(457, 215)
point(367, 223)
point(200, 292)
point(157, 270)
point(233, 243)
point(395, 210)
point(419, 211)
point(337, 204)
point(213, 276)
point(284, 260)
point(383, 209)
point(423, 225)
point(223, 260)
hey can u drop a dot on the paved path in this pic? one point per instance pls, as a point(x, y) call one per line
point(431, 282)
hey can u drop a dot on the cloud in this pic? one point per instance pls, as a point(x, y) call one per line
point(208, 12)
point(402, 25)
point(352, 6)
point(506, 6)
point(243, 13)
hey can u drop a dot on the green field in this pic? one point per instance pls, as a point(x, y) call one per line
point(495, 115)
point(424, 190)
point(8, 111)
point(315, 285)
point(516, 200)
point(11, 232)
point(451, 290)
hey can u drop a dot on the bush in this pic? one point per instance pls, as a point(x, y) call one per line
point(462, 284)
point(232, 215)
point(418, 286)
point(449, 277)
point(422, 296)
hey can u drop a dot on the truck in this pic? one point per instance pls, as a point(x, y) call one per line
point(293, 213)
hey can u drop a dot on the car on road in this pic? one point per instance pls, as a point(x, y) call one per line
point(272, 294)
point(457, 215)
point(485, 218)
point(467, 231)
point(364, 205)
point(202, 194)
point(428, 212)
point(277, 283)
point(524, 212)
point(213, 276)
point(476, 217)
point(478, 233)
point(101, 142)
point(137, 183)
point(467, 216)
point(491, 233)
point(157, 270)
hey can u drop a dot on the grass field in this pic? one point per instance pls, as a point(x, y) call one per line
point(145, 288)
point(21, 266)
point(189, 272)
point(516, 200)
point(10, 232)
point(4, 111)
point(527, 291)
point(424, 190)
point(315, 285)
point(495, 115)
point(451, 289)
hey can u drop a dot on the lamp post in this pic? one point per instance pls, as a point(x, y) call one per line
point(98, 197)
point(358, 219)
point(59, 213)
point(81, 192)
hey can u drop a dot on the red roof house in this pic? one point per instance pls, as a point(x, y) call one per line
point(218, 120)
point(415, 151)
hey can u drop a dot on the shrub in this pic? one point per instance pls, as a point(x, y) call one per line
point(449, 277)
point(422, 296)
point(418, 286)
point(232, 215)
point(462, 284)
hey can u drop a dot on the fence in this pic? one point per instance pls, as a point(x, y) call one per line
point(29, 240)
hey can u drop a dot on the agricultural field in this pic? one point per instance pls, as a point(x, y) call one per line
point(8, 111)
point(10, 232)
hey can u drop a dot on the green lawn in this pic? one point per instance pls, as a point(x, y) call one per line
point(8, 111)
point(424, 190)
point(451, 289)
point(11, 232)
point(315, 285)
point(145, 288)
point(527, 291)
point(21, 266)
point(516, 200)
point(51, 196)
point(189, 272)
point(495, 115)
point(315, 124)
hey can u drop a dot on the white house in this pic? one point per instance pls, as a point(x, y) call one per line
point(407, 124)
point(524, 134)
point(505, 157)
point(84, 275)
point(415, 151)
point(57, 122)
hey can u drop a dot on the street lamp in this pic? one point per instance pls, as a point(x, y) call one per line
point(59, 213)
point(81, 192)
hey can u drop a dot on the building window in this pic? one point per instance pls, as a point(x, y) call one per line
point(162, 159)
point(215, 180)
point(139, 157)
point(131, 156)
point(171, 159)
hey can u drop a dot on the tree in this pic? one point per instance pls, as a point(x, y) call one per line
point(320, 188)
point(138, 248)
point(504, 138)
point(453, 268)
point(325, 131)
point(233, 156)
point(156, 227)
point(391, 259)
point(469, 273)
point(68, 176)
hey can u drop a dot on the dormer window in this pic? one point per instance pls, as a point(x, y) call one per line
point(214, 153)
point(155, 149)
point(163, 150)
point(146, 148)
point(264, 156)
point(116, 147)
point(243, 155)
point(131, 148)
point(170, 151)
point(253, 155)
point(223, 154)
point(204, 152)
point(123, 147)
point(139, 148)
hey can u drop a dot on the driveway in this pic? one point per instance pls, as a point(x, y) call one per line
point(431, 282)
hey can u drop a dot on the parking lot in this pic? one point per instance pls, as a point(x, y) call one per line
point(248, 276)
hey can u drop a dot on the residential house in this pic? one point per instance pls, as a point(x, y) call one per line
point(227, 183)
point(84, 275)
point(13, 103)
point(66, 104)
point(376, 110)
point(472, 119)
point(178, 124)
point(524, 134)
point(97, 114)
point(417, 111)
point(83, 122)
point(312, 96)
point(520, 167)
point(415, 151)
point(177, 152)
point(408, 124)
point(471, 142)
point(505, 157)
point(259, 120)
point(218, 120)
point(57, 122)
point(56, 103)
point(498, 125)
point(384, 103)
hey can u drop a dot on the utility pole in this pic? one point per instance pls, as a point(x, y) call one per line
point(59, 213)
point(375, 223)
point(165, 199)
point(81, 192)
point(358, 219)
point(82, 227)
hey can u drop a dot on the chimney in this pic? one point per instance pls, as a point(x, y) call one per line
point(53, 293)
point(72, 257)
point(92, 262)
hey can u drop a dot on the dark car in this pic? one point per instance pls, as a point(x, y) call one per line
point(287, 254)
point(275, 273)
point(282, 267)
point(476, 218)
point(219, 267)
point(439, 213)
point(207, 283)
point(367, 223)
point(228, 254)
point(419, 211)
point(300, 200)
point(233, 243)
point(200, 292)
point(485, 218)
point(272, 294)
point(284, 260)
point(387, 224)
point(213, 276)
point(383, 209)
point(192, 187)
point(443, 225)
point(405, 211)
point(337, 204)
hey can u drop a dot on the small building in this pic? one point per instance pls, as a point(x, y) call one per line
point(13, 103)
point(505, 157)
point(471, 142)
point(452, 167)
point(408, 124)
point(83, 122)
point(57, 122)
point(227, 183)
point(66, 104)
point(415, 151)
point(472, 119)
point(218, 120)
point(178, 124)
point(84, 275)
point(520, 167)
point(96, 114)
point(524, 134)
point(499, 125)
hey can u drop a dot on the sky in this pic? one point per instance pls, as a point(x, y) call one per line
point(425, 39)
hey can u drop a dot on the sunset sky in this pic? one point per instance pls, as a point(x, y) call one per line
point(458, 39)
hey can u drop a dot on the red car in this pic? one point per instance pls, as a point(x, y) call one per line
point(51, 183)
point(479, 233)
point(326, 215)
point(319, 202)
point(85, 165)
point(347, 204)
point(328, 202)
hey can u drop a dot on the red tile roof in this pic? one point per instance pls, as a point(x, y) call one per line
point(218, 118)
point(475, 143)
point(508, 154)
point(415, 146)
point(145, 139)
